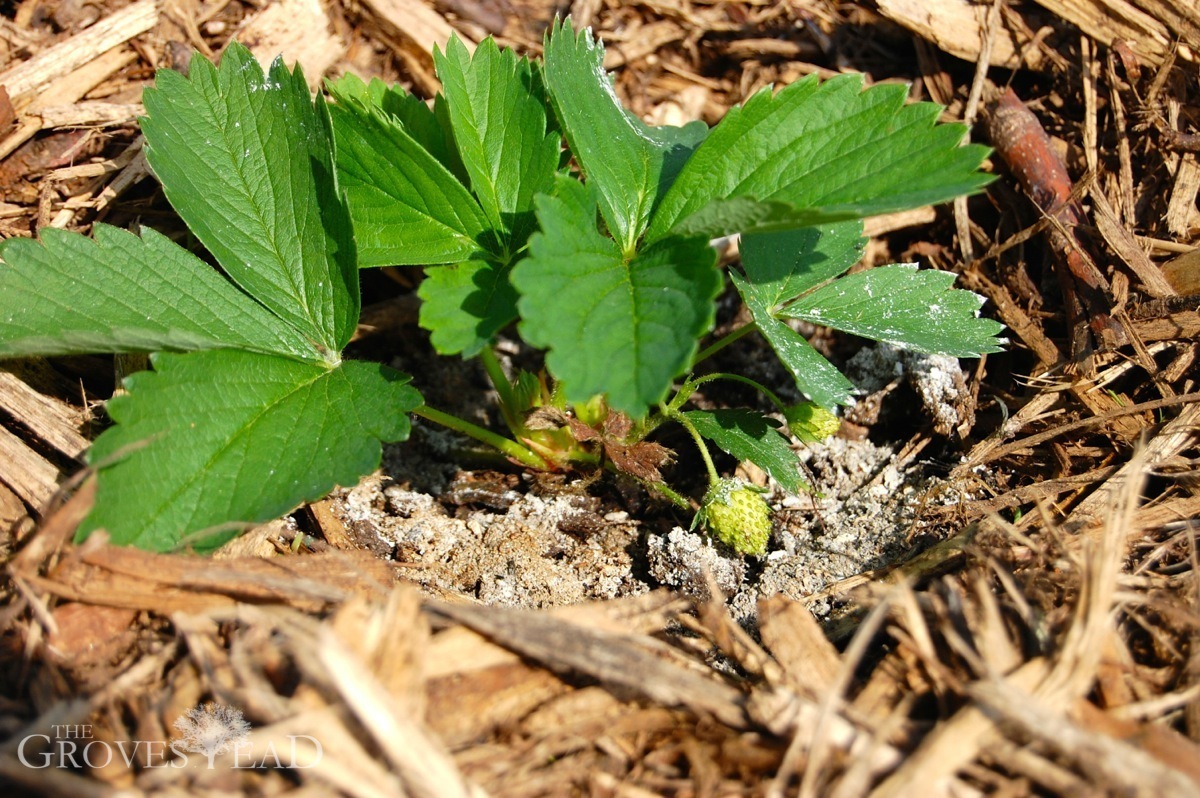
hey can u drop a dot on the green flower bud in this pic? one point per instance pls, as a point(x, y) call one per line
point(811, 423)
point(738, 515)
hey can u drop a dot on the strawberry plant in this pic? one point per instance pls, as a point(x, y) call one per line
point(598, 250)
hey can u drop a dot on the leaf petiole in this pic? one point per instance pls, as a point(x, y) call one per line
point(725, 341)
point(510, 448)
point(509, 407)
point(758, 386)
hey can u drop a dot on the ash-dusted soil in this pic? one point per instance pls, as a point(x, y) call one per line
point(518, 540)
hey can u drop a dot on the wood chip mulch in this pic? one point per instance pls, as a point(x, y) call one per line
point(1047, 648)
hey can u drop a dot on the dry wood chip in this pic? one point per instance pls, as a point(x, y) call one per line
point(1127, 248)
point(415, 22)
point(956, 26)
point(297, 30)
point(161, 583)
point(66, 91)
point(1109, 20)
point(51, 420)
point(624, 662)
point(797, 641)
point(25, 471)
point(1118, 769)
point(1181, 210)
point(29, 77)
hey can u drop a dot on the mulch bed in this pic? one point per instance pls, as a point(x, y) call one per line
point(1045, 647)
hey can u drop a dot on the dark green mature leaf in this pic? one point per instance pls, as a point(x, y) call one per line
point(751, 436)
point(721, 217)
point(829, 149)
point(211, 438)
point(497, 110)
point(627, 163)
point(246, 160)
point(408, 208)
point(409, 111)
point(903, 306)
point(121, 293)
point(464, 306)
point(624, 328)
point(815, 377)
point(785, 264)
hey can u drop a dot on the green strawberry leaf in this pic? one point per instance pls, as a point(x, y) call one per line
point(615, 326)
point(408, 208)
point(246, 160)
point(497, 110)
point(409, 111)
point(903, 306)
point(783, 265)
point(210, 439)
point(464, 306)
point(121, 293)
point(830, 150)
point(627, 163)
point(748, 435)
point(815, 377)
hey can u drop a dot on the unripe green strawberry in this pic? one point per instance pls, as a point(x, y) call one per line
point(738, 515)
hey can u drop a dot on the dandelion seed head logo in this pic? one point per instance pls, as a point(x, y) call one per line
point(212, 729)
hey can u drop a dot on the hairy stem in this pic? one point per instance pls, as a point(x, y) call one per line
point(758, 386)
point(676, 416)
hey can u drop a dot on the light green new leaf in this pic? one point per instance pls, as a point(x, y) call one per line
point(615, 327)
point(409, 111)
point(903, 306)
point(465, 305)
point(497, 110)
point(751, 436)
point(830, 150)
point(121, 293)
point(408, 208)
point(247, 160)
point(627, 163)
point(815, 377)
point(785, 264)
point(225, 437)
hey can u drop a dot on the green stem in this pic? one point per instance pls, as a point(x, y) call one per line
point(511, 448)
point(676, 416)
point(504, 389)
point(720, 375)
point(717, 346)
point(675, 498)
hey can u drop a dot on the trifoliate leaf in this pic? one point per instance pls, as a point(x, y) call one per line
point(246, 160)
point(213, 438)
point(409, 111)
point(624, 328)
point(465, 305)
point(785, 264)
point(121, 293)
point(828, 149)
point(903, 306)
point(627, 163)
point(751, 436)
point(815, 377)
point(497, 110)
point(408, 208)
